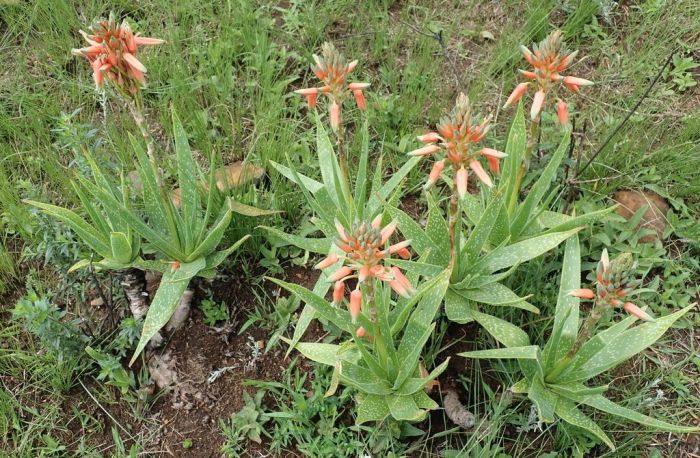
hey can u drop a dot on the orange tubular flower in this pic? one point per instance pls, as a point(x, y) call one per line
point(112, 53)
point(332, 70)
point(549, 58)
point(613, 283)
point(365, 253)
point(457, 135)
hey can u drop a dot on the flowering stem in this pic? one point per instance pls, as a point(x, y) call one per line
point(380, 345)
point(136, 108)
point(532, 146)
point(586, 330)
point(452, 227)
point(342, 153)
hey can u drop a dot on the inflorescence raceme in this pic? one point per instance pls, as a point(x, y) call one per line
point(333, 70)
point(548, 59)
point(613, 283)
point(458, 134)
point(112, 53)
point(364, 258)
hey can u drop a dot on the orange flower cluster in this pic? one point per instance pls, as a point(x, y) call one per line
point(549, 58)
point(112, 53)
point(365, 252)
point(332, 70)
point(457, 134)
point(613, 283)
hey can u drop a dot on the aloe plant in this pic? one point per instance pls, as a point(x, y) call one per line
point(555, 375)
point(332, 199)
point(184, 237)
point(383, 363)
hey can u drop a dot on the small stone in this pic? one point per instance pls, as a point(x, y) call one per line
point(655, 216)
point(97, 302)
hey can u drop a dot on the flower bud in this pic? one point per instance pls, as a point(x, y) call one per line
point(480, 172)
point(636, 311)
point(582, 293)
point(340, 273)
point(461, 182)
point(425, 150)
point(327, 262)
point(562, 112)
point(430, 137)
point(355, 306)
point(338, 292)
point(537, 103)
point(335, 116)
point(517, 94)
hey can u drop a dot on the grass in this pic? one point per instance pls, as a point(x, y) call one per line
point(229, 68)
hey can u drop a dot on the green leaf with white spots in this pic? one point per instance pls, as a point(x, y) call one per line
point(363, 379)
point(572, 222)
point(409, 360)
point(412, 230)
point(371, 408)
point(187, 174)
point(482, 230)
point(415, 384)
point(565, 330)
point(212, 239)
point(545, 401)
point(421, 268)
point(377, 199)
point(567, 411)
point(602, 403)
point(320, 246)
point(507, 333)
point(515, 148)
point(420, 326)
point(537, 191)
point(549, 219)
point(436, 229)
point(576, 391)
point(525, 352)
point(472, 207)
point(625, 345)
point(517, 253)
point(215, 259)
point(497, 294)
point(327, 163)
point(172, 286)
point(320, 352)
point(405, 408)
point(335, 381)
point(121, 248)
point(457, 308)
point(424, 401)
point(522, 386)
point(309, 184)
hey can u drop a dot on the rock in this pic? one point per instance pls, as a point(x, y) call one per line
point(162, 370)
point(655, 216)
